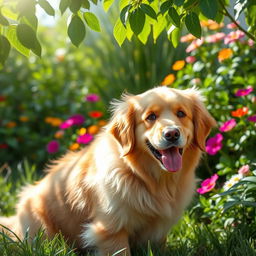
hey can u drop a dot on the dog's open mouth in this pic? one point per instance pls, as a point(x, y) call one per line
point(170, 158)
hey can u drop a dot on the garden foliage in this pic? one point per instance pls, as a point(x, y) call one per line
point(19, 22)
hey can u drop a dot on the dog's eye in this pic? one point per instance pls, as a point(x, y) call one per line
point(151, 117)
point(181, 114)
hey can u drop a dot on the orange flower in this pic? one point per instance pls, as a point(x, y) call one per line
point(102, 122)
point(178, 65)
point(23, 118)
point(95, 114)
point(224, 54)
point(59, 134)
point(211, 24)
point(93, 129)
point(240, 112)
point(54, 121)
point(187, 38)
point(74, 146)
point(168, 80)
point(11, 124)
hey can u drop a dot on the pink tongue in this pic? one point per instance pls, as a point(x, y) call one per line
point(171, 159)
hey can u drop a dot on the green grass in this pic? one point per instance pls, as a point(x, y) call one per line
point(188, 238)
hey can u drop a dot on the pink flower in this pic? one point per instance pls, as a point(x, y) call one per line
point(244, 92)
point(92, 97)
point(53, 147)
point(85, 138)
point(232, 25)
point(252, 118)
point(194, 45)
point(250, 42)
point(208, 184)
point(233, 36)
point(190, 59)
point(215, 38)
point(229, 125)
point(214, 144)
point(244, 170)
point(73, 120)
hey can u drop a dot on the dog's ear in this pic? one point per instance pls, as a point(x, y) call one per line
point(122, 123)
point(202, 120)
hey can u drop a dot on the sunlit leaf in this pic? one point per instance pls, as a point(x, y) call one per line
point(12, 37)
point(119, 32)
point(47, 7)
point(92, 21)
point(107, 4)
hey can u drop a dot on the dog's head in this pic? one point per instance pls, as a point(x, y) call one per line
point(162, 123)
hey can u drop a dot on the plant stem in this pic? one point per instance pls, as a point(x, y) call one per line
point(234, 21)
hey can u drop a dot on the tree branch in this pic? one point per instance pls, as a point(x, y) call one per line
point(235, 22)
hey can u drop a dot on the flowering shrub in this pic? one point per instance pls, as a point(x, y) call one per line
point(223, 66)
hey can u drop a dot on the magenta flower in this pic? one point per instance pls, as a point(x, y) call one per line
point(252, 118)
point(233, 36)
point(190, 59)
point(53, 146)
point(244, 92)
point(73, 120)
point(208, 184)
point(85, 138)
point(92, 97)
point(244, 170)
point(229, 125)
point(214, 144)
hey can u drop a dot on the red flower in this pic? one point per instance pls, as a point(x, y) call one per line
point(240, 112)
point(95, 114)
point(3, 146)
point(2, 98)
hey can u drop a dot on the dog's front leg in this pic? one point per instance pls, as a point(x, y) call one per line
point(107, 243)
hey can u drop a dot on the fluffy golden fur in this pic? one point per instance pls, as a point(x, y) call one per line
point(131, 184)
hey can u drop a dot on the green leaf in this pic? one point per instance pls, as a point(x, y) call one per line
point(124, 14)
point(174, 16)
point(75, 5)
point(144, 34)
point(193, 24)
point(92, 21)
point(107, 4)
point(165, 6)
point(86, 4)
point(179, 2)
point(8, 13)
point(4, 49)
point(47, 7)
point(175, 37)
point(190, 3)
point(27, 37)
point(119, 32)
point(159, 26)
point(209, 8)
point(137, 20)
point(149, 11)
point(3, 20)
point(31, 20)
point(12, 37)
point(64, 4)
point(76, 30)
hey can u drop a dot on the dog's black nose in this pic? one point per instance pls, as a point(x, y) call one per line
point(171, 134)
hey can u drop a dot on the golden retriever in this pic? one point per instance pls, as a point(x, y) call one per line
point(131, 184)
